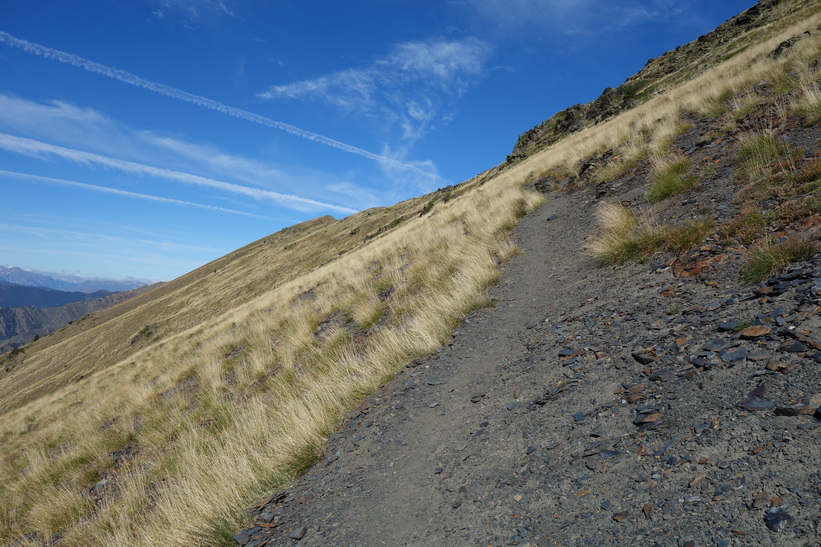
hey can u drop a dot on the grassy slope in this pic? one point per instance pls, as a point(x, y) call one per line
point(666, 72)
point(195, 298)
point(248, 362)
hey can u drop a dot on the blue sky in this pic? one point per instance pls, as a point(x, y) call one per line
point(144, 138)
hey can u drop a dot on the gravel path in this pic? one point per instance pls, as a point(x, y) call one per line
point(580, 411)
point(640, 404)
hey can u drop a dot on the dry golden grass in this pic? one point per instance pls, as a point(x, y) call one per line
point(809, 104)
point(250, 361)
point(212, 415)
point(622, 236)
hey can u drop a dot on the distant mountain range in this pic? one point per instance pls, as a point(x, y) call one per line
point(29, 312)
point(64, 282)
point(37, 303)
point(13, 295)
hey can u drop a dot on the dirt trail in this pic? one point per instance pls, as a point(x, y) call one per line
point(589, 406)
point(381, 483)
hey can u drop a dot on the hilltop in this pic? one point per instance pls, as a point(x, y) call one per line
point(659, 75)
point(645, 371)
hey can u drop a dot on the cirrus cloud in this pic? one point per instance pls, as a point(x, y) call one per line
point(413, 87)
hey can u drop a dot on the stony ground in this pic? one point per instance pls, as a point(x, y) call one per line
point(661, 403)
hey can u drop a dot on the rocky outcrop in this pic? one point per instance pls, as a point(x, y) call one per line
point(659, 74)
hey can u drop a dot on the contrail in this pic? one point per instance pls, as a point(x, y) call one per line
point(116, 191)
point(26, 146)
point(162, 89)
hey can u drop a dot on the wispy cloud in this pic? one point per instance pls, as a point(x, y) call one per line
point(61, 122)
point(216, 160)
point(193, 9)
point(116, 191)
point(570, 16)
point(412, 87)
point(204, 102)
point(36, 148)
point(96, 251)
point(72, 126)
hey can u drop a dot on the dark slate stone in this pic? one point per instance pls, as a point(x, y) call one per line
point(729, 325)
point(663, 376)
point(754, 403)
point(733, 355)
point(643, 358)
point(715, 344)
point(793, 347)
point(778, 520)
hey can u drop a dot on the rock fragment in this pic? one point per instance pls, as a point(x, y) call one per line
point(777, 519)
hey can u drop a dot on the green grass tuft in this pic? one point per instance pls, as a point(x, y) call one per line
point(671, 177)
point(624, 237)
point(767, 260)
point(759, 155)
point(747, 228)
point(688, 236)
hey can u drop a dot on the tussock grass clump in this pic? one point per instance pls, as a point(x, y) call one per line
point(767, 260)
point(614, 243)
point(768, 170)
point(743, 105)
point(666, 129)
point(690, 235)
point(809, 104)
point(623, 236)
point(630, 155)
point(670, 177)
point(762, 154)
point(747, 227)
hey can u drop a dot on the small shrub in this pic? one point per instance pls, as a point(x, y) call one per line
point(671, 177)
point(765, 261)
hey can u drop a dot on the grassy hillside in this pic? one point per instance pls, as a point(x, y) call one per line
point(157, 421)
point(666, 72)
